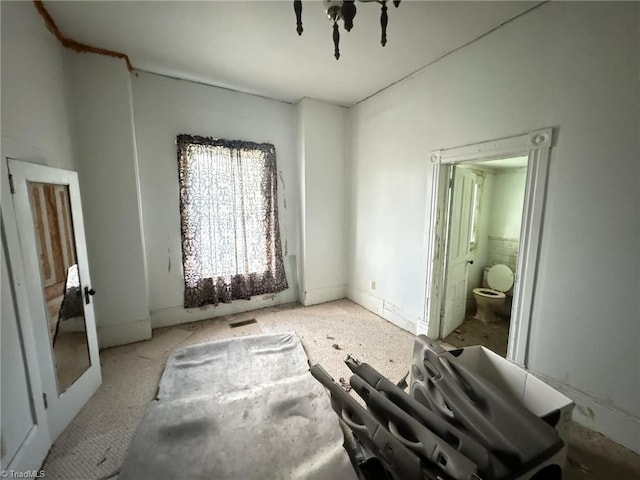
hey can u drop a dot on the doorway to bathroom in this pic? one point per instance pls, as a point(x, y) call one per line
point(483, 238)
point(458, 256)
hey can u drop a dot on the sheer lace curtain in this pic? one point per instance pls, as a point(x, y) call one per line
point(231, 245)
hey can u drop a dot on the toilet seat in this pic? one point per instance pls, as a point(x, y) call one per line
point(489, 293)
point(500, 278)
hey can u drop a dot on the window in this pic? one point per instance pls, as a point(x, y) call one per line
point(229, 220)
point(475, 214)
point(476, 204)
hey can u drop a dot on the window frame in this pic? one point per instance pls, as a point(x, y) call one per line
point(204, 288)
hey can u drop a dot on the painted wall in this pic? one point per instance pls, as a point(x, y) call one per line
point(163, 108)
point(572, 66)
point(36, 127)
point(506, 203)
point(35, 116)
point(507, 200)
point(323, 167)
point(100, 93)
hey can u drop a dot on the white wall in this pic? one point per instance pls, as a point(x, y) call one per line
point(164, 108)
point(35, 117)
point(572, 66)
point(100, 94)
point(323, 170)
point(36, 127)
point(507, 201)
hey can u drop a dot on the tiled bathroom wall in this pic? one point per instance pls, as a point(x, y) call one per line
point(503, 251)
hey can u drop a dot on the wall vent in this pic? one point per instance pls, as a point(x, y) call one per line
point(243, 323)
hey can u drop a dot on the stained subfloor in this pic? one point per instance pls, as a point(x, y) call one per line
point(93, 446)
point(493, 335)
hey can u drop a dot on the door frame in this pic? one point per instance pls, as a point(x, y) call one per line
point(62, 408)
point(536, 145)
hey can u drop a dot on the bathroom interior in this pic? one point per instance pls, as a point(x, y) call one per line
point(496, 219)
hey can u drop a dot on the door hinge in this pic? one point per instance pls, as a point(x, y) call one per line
point(44, 399)
point(12, 188)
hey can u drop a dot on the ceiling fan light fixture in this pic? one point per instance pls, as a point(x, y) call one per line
point(348, 13)
point(297, 7)
point(345, 10)
point(333, 9)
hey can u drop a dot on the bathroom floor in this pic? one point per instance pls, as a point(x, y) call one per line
point(493, 335)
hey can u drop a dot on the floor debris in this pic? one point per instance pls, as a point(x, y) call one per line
point(336, 346)
point(493, 335)
point(329, 337)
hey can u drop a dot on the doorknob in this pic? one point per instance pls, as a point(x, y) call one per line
point(470, 262)
point(87, 293)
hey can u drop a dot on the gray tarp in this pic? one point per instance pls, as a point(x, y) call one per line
point(244, 408)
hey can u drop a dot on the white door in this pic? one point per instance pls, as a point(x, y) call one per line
point(25, 434)
point(458, 252)
point(48, 215)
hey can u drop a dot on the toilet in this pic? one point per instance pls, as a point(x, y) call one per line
point(488, 300)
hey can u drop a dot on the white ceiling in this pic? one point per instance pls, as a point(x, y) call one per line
point(252, 46)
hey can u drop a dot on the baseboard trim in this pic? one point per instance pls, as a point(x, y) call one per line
point(323, 295)
point(619, 426)
point(398, 317)
point(382, 308)
point(123, 333)
point(167, 317)
point(366, 300)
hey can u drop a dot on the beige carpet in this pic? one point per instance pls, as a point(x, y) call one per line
point(93, 445)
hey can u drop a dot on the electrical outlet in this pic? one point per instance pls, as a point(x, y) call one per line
point(373, 284)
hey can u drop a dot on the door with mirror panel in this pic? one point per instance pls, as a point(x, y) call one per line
point(49, 221)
